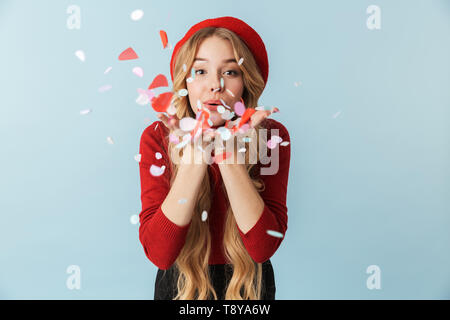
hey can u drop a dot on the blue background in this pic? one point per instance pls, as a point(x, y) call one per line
point(369, 127)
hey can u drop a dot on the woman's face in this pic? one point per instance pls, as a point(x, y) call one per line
point(215, 60)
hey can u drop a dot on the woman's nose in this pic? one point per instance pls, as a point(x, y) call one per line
point(216, 84)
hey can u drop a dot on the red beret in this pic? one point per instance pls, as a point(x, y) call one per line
point(243, 30)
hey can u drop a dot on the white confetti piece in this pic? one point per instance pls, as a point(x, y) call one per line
point(107, 70)
point(225, 134)
point(183, 92)
point(157, 171)
point(105, 88)
point(184, 67)
point(297, 83)
point(275, 234)
point(138, 157)
point(109, 140)
point(86, 111)
point(158, 155)
point(240, 61)
point(276, 139)
point(242, 150)
point(231, 93)
point(80, 55)
point(220, 109)
point(204, 215)
point(138, 71)
point(284, 143)
point(221, 82)
point(260, 108)
point(134, 219)
point(188, 124)
point(137, 15)
point(189, 80)
point(142, 100)
point(336, 114)
point(182, 201)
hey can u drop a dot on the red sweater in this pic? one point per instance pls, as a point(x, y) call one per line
point(163, 240)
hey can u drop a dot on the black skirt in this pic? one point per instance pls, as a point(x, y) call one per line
point(166, 281)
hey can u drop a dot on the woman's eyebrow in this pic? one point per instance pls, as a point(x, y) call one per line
point(224, 61)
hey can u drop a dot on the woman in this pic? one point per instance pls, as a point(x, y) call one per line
point(209, 226)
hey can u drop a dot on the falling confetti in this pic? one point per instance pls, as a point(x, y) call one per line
point(189, 80)
point(242, 150)
point(174, 138)
point(183, 92)
point(271, 144)
point(184, 67)
point(107, 70)
point(159, 81)
point(105, 88)
point(163, 36)
point(109, 140)
point(276, 139)
point(284, 143)
point(220, 109)
point(157, 171)
point(247, 139)
point(138, 157)
point(275, 234)
point(158, 155)
point(80, 55)
point(231, 93)
point(221, 82)
point(134, 219)
point(204, 215)
point(239, 108)
point(86, 111)
point(182, 201)
point(162, 102)
point(297, 83)
point(336, 114)
point(188, 124)
point(137, 15)
point(128, 54)
point(138, 71)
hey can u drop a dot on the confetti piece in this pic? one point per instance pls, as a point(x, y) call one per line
point(86, 111)
point(182, 144)
point(107, 70)
point(336, 114)
point(221, 157)
point(188, 124)
point(183, 92)
point(246, 116)
point(138, 71)
point(193, 73)
point(184, 67)
point(220, 109)
point(271, 144)
point(159, 81)
point(128, 54)
point(231, 93)
point(247, 139)
point(142, 99)
point(225, 134)
point(276, 139)
point(239, 108)
point(162, 102)
point(240, 61)
point(284, 143)
point(189, 80)
point(158, 155)
point(275, 234)
point(137, 15)
point(182, 201)
point(171, 110)
point(221, 82)
point(105, 88)
point(134, 219)
point(174, 138)
point(242, 150)
point(204, 215)
point(297, 83)
point(80, 55)
point(156, 127)
point(109, 140)
point(163, 36)
point(259, 108)
point(157, 171)
point(138, 157)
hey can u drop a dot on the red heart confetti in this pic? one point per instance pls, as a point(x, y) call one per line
point(162, 102)
point(159, 81)
point(128, 54)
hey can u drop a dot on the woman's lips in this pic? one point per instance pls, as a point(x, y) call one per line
point(211, 107)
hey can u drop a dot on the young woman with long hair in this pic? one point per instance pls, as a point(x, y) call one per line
point(211, 227)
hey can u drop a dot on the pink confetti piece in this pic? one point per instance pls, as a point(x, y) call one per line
point(157, 171)
point(174, 138)
point(138, 157)
point(138, 71)
point(239, 108)
point(188, 124)
point(271, 144)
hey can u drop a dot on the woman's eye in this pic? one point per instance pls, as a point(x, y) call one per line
point(234, 72)
point(198, 71)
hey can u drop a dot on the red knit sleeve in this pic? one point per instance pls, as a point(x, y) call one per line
point(259, 244)
point(161, 238)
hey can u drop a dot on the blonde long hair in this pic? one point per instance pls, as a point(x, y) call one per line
point(194, 281)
